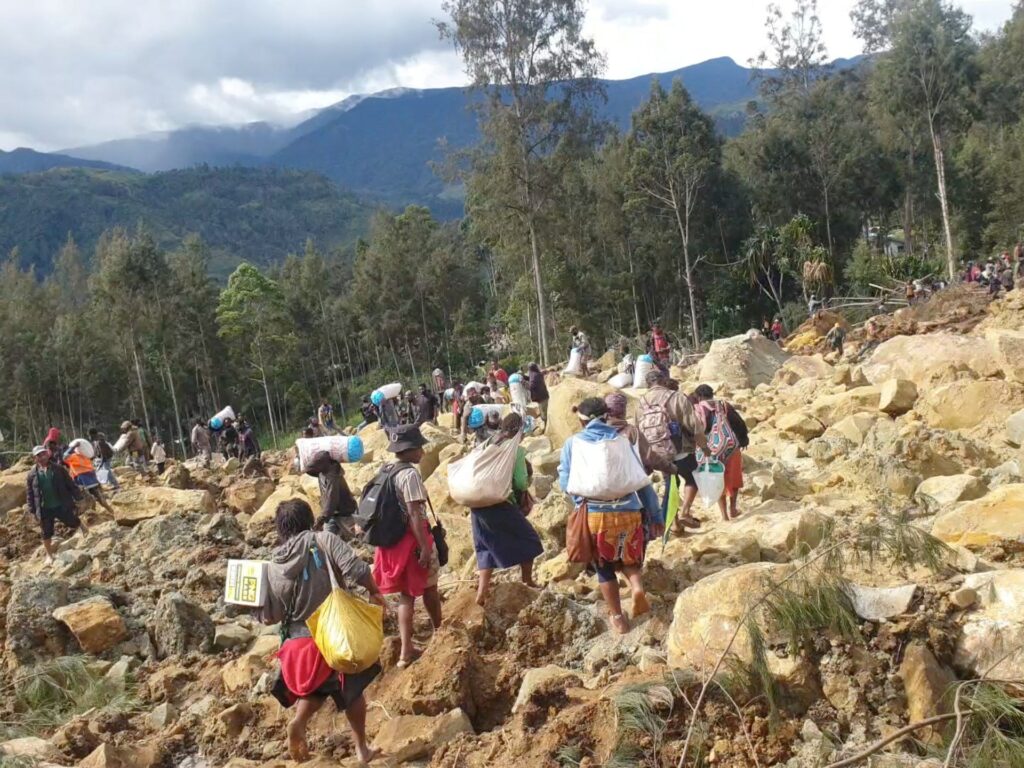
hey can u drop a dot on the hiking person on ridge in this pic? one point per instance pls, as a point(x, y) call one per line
point(710, 410)
point(673, 430)
point(103, 457)
point(410, 567)
point(200, 438)
point(298, 583)
point(619, 529)
point(51, 497)
point(502, 535)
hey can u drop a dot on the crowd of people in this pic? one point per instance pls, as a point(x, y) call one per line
point(673, 434)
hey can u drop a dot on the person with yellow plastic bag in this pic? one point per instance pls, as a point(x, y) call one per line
point(331, 639)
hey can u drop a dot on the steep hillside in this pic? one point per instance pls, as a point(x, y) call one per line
point(242, 213)
point(870, 586)
point(24, 160)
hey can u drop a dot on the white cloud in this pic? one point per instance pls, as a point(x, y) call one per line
point(74, 73)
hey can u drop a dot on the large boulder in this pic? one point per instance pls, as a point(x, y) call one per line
point(240, 674)
point(897, 396)
point(437, 440)
point(13, 492)
point(551, 516)
point(262, 522)
point(801, 367)
point(854, 428)
point(742, 362)
point(32, 632)
point(1015, 429)
point(94, 622)
point(967, 404)
point(942, 492)
point(996, 517)
point(991, 641)
point(707, 615)
point(1008, 348)
point(414, 737)
point(828, 409)
point(375, 441)
point(799, 424)
point(181, 626)
point(247, 495)
point(919, 358)
point(562, 421)
point(926, 684)
point(143, 502)
point(785, 534)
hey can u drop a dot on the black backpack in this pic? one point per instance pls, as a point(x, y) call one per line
point(380, 511)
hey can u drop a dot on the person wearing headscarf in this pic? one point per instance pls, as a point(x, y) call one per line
point(502, 536)
point(619, 529)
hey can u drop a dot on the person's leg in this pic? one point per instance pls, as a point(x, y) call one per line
point(722, 507)
point(304, 711)
point(47, 523)
point(356, 714)
point(527, 572)
point(406, 606)
point(483, 585)
point(636, 583)
point(609, 585)
point(734, 504)
point(432, 602)
point(97, 493)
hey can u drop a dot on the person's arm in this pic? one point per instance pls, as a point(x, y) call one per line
point(30, 494)
point(520, 475)
point(689, 421)
point(417, 513)
point(652, 507)
point(347, 504)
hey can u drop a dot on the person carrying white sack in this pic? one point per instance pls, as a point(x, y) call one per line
point(620, 528)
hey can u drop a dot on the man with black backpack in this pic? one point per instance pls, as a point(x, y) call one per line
point(393, 514)
point(667, 419)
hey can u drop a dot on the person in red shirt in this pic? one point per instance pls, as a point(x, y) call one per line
point(499, 373)
point(658, 345)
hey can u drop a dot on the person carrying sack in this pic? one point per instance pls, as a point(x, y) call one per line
point(502, 536)
point(618, 526)
point(298, 583)
point(393, 513)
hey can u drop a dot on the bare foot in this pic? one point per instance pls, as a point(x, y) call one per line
point(406, 661)
point(367, 755)
point(690, 521)
point(533, 584)
point(620, 623)
point(481, 598)
point(641, 605)
point(298, 750)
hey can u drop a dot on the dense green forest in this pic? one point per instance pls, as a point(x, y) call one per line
point(905, 166)
point(242, 214)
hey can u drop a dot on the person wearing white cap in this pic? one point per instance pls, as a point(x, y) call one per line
point(51, 497)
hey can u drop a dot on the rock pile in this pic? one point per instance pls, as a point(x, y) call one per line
point(914, 450)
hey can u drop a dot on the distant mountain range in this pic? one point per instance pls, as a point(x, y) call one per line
point(256, 214)
point(24, 160)
point(379, 149)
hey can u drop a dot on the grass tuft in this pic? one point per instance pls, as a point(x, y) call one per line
point(54, 692)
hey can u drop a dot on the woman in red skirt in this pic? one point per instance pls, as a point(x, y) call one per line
point(298, 582)
point(709, 409)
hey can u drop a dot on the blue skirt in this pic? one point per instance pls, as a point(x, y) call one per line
point(503, 537)
point(87, 480)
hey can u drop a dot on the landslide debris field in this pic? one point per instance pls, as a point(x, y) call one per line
point(875, 580)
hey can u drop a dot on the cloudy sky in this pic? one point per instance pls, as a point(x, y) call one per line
point(74, 72)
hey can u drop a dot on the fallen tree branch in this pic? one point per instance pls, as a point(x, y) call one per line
point(891, 738)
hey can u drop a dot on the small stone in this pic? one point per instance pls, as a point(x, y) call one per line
point(162, 716)
point(964, 597)
point(877, 603)
point(897, 396)
point(235, 718)
point(118, 672)
point(409, 737)
point(30, 748)
point(228, 636)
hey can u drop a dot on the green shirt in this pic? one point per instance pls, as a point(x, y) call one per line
point(47, 490)
point(520, 477)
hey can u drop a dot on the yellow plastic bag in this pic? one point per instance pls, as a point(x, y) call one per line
point(349, 632)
